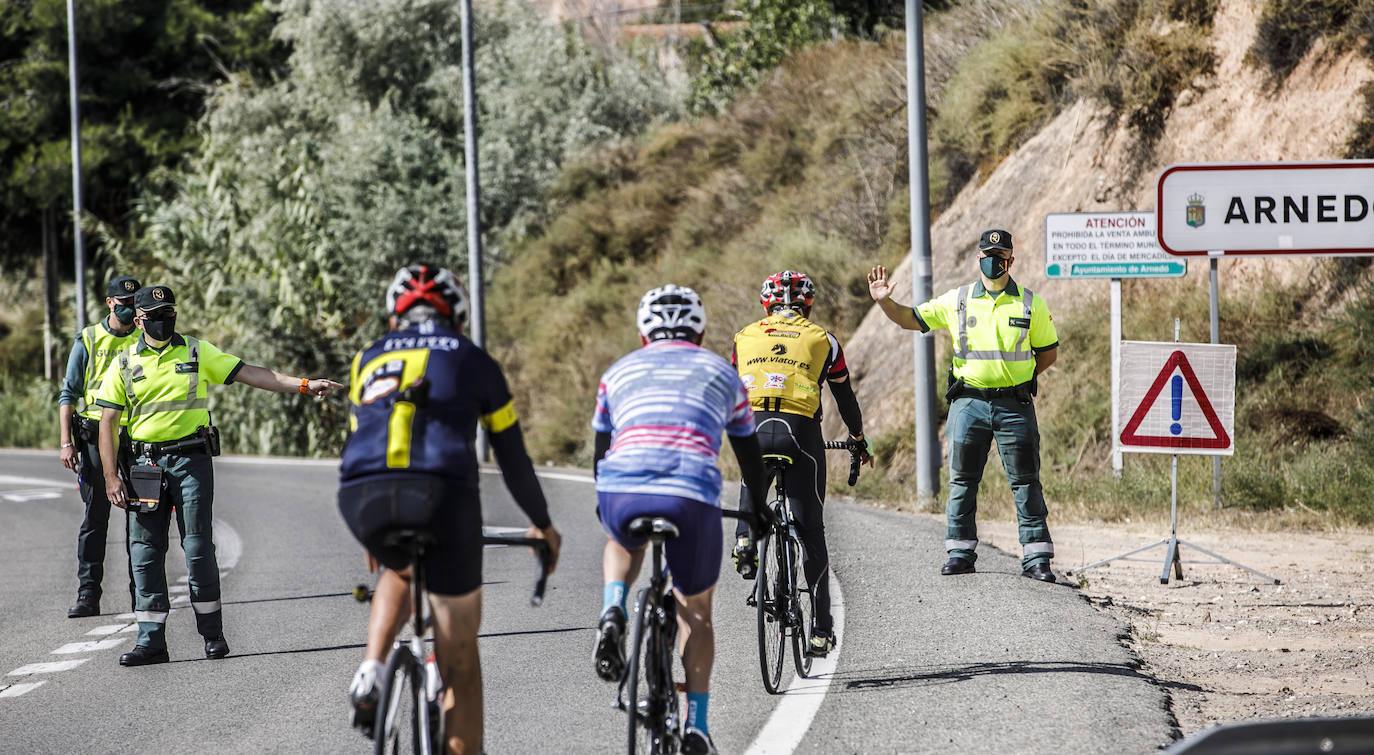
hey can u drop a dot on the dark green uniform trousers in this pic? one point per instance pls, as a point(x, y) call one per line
point(94, 532)
point(189, 496)
point(973, 424)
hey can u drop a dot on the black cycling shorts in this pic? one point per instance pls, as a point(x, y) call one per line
point(450, 510)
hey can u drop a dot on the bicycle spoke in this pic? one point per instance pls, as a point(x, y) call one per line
point(771, 615)
point(801, 595)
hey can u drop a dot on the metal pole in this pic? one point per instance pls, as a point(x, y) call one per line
point(77, 203)
point(1117, 462)
point(1214, 314)
point(476, 318)
point(927, 440)
point(49, 294)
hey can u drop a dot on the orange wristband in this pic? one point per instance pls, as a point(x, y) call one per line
point(305, 383)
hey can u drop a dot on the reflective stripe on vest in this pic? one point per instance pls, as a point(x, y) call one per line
point(187, 404)
point(961, 349)
point(96, 339)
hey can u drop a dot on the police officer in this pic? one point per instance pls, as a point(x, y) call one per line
point(78, 422)
point(1004, 338)
point(160, 380)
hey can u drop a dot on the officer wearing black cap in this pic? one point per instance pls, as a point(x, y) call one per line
point(78, 421)
point(160, 383)
point(1004, 338)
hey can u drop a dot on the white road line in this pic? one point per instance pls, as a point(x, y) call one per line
point(45, 482)
point(228, 545)
point(783, 731)
point(87, 647)
point(277, 461)
point(47, 668)
point(129, 616)
point(108, 630)
point(15, 690)
point(569, 476)
point(24, 496)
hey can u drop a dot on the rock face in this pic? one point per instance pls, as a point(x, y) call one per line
point(1081, 162)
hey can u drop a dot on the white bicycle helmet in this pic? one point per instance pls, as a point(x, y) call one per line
point(427, 284)
point(671, 312)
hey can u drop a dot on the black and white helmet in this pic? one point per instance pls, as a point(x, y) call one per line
point(671, 312)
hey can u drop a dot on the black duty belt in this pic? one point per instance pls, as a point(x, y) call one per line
point(193, 443)
point(1024, 392)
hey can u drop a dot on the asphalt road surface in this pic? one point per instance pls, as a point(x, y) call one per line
point(984, 663)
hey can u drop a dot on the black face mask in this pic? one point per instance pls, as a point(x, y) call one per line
point(124, 314)
point(160, 327)
point(993, 267)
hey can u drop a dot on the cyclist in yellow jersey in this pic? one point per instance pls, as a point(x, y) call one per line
point(783, 360)
point(1003, 338)
point(78, 429)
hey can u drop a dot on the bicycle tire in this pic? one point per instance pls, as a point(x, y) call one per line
point(401, 689)
point(801, 597)
point(771, 614)
point(639, 732)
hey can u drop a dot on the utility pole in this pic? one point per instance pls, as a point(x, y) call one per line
point(476, 318)
point(76, 168)
point(927, 440)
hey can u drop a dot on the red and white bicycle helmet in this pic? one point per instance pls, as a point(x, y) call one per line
point(671, 312)
point(788, 288)
point(427, 284)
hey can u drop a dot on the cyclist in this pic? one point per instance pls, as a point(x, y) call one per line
point(417, 395)
point(782, 360)
point(659, 415)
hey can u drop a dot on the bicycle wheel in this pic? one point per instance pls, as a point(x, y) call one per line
point(398, 716)
point(640, 716)
point(772, 613)
point(801, 598)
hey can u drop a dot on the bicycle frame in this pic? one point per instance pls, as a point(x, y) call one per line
point(656, 636)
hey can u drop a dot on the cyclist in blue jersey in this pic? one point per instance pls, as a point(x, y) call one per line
point(417, 396)
point(660, 412)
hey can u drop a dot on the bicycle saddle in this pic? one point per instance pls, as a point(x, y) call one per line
point(411, 541)
point(655, 526)
point(777, 461)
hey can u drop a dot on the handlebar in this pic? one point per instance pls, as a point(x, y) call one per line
point(540, 546)
point(855, 448)
point(362, 593)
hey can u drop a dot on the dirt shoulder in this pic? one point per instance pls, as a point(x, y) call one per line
point(1230, 646)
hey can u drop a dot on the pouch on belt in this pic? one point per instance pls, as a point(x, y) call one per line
point(146, 481)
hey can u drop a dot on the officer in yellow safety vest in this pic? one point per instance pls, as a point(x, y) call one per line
point(1004, 338)
point(161, 381)
point(78, 420)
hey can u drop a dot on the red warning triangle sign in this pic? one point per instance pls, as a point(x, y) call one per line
point(1130, 436)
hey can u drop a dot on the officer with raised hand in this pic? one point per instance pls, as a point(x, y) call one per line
point(160, 381)
point(1004, 338)
point(78, 423)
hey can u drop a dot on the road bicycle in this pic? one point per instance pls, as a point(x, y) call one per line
point(783, 601)
point(647, 692)
point(409, 708)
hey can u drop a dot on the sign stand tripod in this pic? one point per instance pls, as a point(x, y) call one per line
point(1172, 543)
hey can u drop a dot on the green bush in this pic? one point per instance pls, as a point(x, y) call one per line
point(1289, 28)
point(30, 403)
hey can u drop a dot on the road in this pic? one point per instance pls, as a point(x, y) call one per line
point(985, 663)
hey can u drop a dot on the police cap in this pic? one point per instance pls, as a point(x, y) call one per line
point(122, 287)
point(154, 297)
point(994, 239)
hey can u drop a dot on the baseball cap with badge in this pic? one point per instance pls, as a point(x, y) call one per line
point(122, 287)
point(154, 297)
point(994, 239)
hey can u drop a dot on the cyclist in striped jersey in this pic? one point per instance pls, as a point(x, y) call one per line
point(660, 412)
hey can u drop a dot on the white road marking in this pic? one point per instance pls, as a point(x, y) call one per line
point(228, 546)
point(47, 668)
point(277, 461)
point(15, 690)
point(129, 616)
point(46, 482)
point(783, 731)
point(87, 647)
point(24, 496)
point(108, 629)
point(569, 476)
